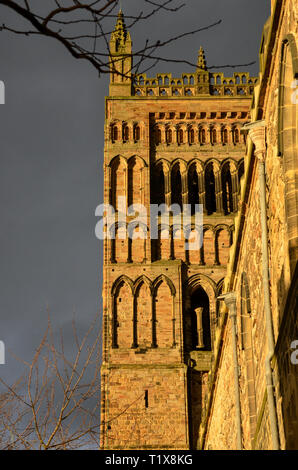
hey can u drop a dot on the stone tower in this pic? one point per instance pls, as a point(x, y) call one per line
point(167, 141)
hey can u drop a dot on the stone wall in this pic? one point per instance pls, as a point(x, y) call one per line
point(245, 271)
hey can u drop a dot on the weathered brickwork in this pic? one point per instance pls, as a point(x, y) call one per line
point(275, 104)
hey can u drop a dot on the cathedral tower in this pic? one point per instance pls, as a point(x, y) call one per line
point(167, 141)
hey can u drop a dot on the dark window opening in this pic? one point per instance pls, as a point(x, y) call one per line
point(176, 187)
point(193, 190)
point(227, 192)
point(200, 311)
point(210, 190)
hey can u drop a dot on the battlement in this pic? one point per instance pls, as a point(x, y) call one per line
point(194, 84)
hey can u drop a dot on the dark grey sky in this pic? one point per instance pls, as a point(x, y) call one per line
point(51, 138)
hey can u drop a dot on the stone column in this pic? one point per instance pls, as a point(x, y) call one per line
point(199, 313)
point(218, 190)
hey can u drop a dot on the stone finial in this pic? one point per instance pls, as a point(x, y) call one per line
point(201, 59)
point(120, 31)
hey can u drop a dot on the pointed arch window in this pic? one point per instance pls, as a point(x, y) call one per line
point(125, 133)
point(213, 135)
point(157, 136)
point(176, 186)
point(210, 189)
point(201, 328)
point(169, 136)
point(158, 186)
point(137, 133)
point(225, 136)
point(202, 134)
point(191, 135)
point(236, 135)
point(114, 133)
point(227, 192)
point(180, 136)
point(193, 188)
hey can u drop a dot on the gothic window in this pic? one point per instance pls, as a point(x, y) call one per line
point(191, 80)
point(159, 81)
point(157, 136)
point(176, 186)
point(227, 192)
point(213, 135)
point(180, 136)
point(135, 181)
point(114, 133)
point(236, 136)
point(143, 309)
point(237, 80)
point(169, 136)
point(163, 316)
point(118, 181)
point(137, 133)
point(210, 189)
point(185, 80)
point(193, 188)
point(125, 133)
point(122, 318)
point(200, 319)
point(166, 81)
point(224, 136)
point(202, 135)
point(218, 80)
point(243, 79)
point(158, 186)
point(191, 136)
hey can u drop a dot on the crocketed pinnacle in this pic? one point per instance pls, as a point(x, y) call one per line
point(120, 28)
point(201, 60)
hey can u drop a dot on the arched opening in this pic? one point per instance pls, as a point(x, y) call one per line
point(200, 313)
point(157, 136)
point(236, 136)
point(114, 133)
point(210, 190)
point(176, 186)
point(227, 193)
point(202, 135)
point(137, 133)
point(169, 136)
point(224, 136)
point(158, 186)
point(125, 133)
point(180, 136)
point(191, 135)
point(213, 135)
point(193, 188)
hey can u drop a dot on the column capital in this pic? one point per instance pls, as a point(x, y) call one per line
point(257, 133)
point(230, 300)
